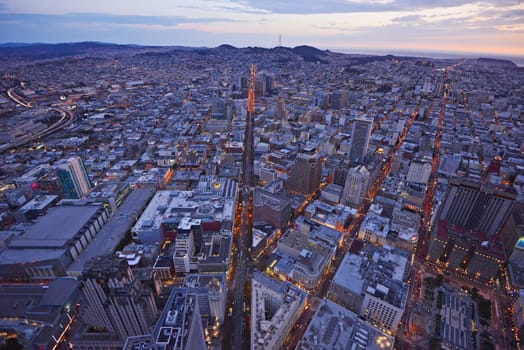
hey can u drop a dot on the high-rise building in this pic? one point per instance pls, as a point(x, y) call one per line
point(340, 174)
point(210, 293)
point(281, 114)
point(114, 302)
point(356, 186)
point(338, 99)
point(271, 204)
point(360, 134)
point(475, 206)
point(513, 229)
point(306, 174)
point(179, 327)
point(73, 178)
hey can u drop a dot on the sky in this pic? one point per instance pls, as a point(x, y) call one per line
point(494, 27)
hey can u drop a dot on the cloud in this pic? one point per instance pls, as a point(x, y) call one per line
point(347, 6)
point(106, 18)
point(511, 28)
point(408, 19)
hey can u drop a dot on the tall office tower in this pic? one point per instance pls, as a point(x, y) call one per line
point(356, 185)
point(260, 87)
point(269, 81)
point(113, 301)
point(217, 299)
point(210, 294)
point(219, 108)
point(513, 229)
point(340, 174)
point(475, 206)
point(73, 178)
point(338, 99)
point(271, 204)
point(179, 327)
point(360, 134)
point(306, 174)
point(282, 113)
point(244, 83)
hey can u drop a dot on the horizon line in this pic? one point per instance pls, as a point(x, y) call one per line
point(349, 50)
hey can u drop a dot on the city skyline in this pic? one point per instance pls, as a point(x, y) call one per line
point(464, 27)
point(234, 198)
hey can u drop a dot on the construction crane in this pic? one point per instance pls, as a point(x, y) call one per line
point(251, 94)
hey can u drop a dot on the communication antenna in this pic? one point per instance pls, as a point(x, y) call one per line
point(280, 39)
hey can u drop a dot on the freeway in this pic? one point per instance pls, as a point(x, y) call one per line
point(66, 118)
point(17, 99)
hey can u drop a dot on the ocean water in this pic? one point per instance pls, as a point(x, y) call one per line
point(518, 60)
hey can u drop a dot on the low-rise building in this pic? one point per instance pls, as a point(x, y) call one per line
point(374, 229)
point(332, 216)
point(53, 242)
point(212, 201)
point(308, 259)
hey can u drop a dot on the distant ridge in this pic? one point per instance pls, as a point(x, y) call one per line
point(497, 61)
point(14, 44)
point(42, 50)
point(226, 47)
point(308, 50)
point(308, 53)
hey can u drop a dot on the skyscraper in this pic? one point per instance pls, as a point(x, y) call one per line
point(360, 134)
point(73, 178)
point(475, 206)
point(306, 173)
point(271, 204)
point(113, 301)
point(356, 185)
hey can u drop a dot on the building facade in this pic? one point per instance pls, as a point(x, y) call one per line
point(356, 186)
point(114, 302)
point(360, 134)
point(475, 206)
point(74, 180)
point(306, 174)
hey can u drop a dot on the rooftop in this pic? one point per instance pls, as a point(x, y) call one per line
point(212, 199)
point(334, 327)
point(110, 235)
point(379, 271)
point(56, 228)
point(273, 305)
